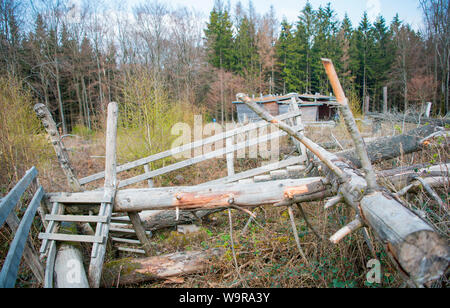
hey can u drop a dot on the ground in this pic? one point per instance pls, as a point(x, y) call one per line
point(267, 255)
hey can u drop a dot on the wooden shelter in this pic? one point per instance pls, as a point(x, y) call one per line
point(314, 107)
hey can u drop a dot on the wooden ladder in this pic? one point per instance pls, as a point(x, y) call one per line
point(99, 240)
point(51, 236)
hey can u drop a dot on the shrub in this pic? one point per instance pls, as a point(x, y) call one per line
point(146, 117)
point(21, 144)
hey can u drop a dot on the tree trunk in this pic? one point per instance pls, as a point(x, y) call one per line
point(390, 147)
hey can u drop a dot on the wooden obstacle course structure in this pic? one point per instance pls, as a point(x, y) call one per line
point(408, 239)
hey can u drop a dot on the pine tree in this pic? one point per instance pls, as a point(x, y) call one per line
point(219, 37)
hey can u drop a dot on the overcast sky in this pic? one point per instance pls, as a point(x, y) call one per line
point(408, 10)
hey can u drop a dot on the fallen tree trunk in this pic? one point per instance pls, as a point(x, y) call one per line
point(199, 197)
point(132, 271)
point(409, 119)
point(391, 147)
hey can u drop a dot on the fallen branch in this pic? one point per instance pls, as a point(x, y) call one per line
point(132, 271)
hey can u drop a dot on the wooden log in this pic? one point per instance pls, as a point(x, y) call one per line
point(413, 244)
point(61, 152)
point(132, 271)
point(69, 269)
point(8, 274)
point(199, 197)
point(201, 158)
point(391, 147)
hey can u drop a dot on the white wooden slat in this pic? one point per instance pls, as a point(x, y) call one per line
point(72, 238)
point(197, 159)
point(188, 147)
point(76, 218)
point(50, 228)
point(257, 171)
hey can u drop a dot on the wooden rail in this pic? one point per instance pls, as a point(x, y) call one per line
point(187, 147)
point(10, 267)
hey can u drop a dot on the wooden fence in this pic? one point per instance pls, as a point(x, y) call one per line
point(231, 146)
point(10, 267)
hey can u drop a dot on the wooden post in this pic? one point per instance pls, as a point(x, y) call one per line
point(106, 207)
point(140, 232)
point(293, 107)
point(61, 152)
point(385, 100)
point(230, 156)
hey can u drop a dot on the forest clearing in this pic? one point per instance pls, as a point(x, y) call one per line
point(129, 160)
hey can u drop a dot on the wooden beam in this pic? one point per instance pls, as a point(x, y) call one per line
point(201, 197)
point(140, 232)
point(188, 147)
point(106, 207)
point(60, 150)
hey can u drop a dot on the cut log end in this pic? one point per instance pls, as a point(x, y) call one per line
point(424, 255)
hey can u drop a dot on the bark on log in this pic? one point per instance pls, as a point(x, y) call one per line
point(391, 147)
point(61, 152)
point(132, 271)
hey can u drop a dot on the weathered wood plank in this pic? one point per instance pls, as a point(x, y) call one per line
point(72, 238)
point(10, 267)
point(57, 208)
point(198, 159)
point(106, 208)
point(77, 218)
point(61, 153)
point(257, 171)
point(140, 232)
point(379, 211)
point(187, 147)
point(8, 203)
